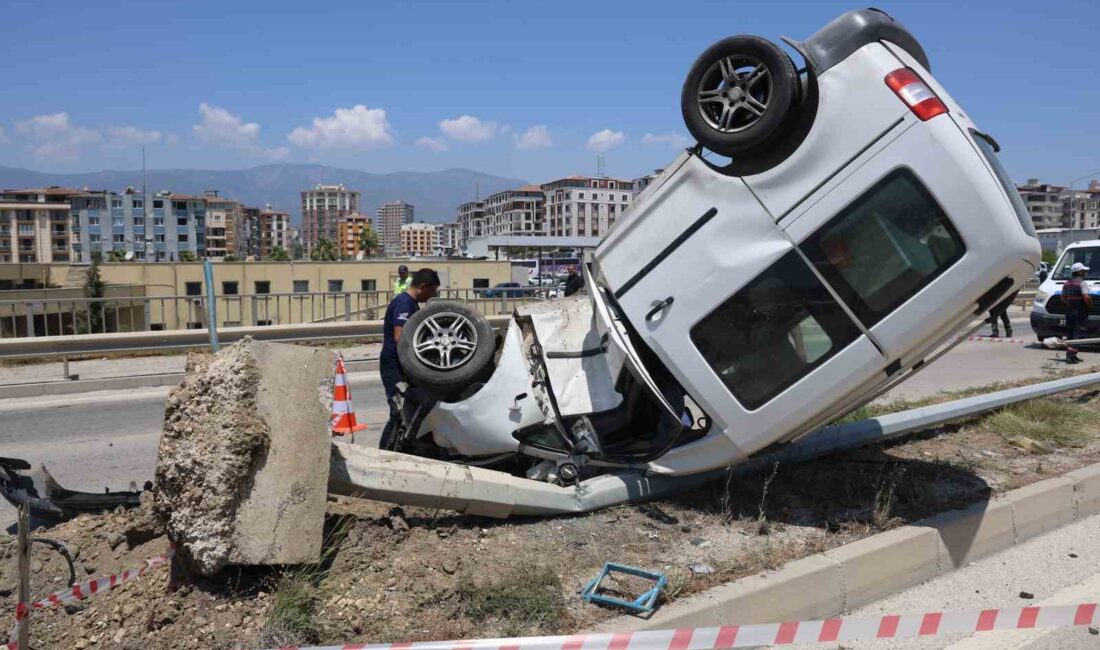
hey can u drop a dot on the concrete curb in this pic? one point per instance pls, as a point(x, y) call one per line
point(61, 387)
point(830, 583)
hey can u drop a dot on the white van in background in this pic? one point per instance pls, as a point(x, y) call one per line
point(1048, 311)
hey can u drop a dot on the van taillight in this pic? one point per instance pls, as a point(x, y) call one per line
point(915, 93)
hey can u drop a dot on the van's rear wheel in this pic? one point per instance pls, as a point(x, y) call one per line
point(445, 347)
point(738, 94)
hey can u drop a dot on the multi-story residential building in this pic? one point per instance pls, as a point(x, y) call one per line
point(224, 219)
point(448, 235)
point(104, 221)
point(1047, 204)
point(418, 239)
point(273, 231)
point(471, 222)
point(515, 212)
point(322, 209)
point(1084, 207)
point(642, 182)
point(247, 234)
point(582, 206)
point(391, 216)
point(34, 225)
point(348, 238)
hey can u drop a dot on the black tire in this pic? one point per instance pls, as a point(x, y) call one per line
point(445, 366)
point(739, 94)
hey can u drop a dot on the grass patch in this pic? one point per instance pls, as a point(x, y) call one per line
point(1059, 422)
point(522, 601)
point(290, 620)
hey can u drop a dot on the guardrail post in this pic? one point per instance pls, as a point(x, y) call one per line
point(347, 306)
point(23, 549)
point(255, 314)
point(148, 314)
point(211, 308)
point(30, 319)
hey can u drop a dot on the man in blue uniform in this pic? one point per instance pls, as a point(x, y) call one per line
point(422, 286)
point(1078, 302)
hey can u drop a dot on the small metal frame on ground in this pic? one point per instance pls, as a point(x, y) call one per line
point(643, 604)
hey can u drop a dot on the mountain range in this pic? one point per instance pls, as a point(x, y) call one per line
point(436, 195)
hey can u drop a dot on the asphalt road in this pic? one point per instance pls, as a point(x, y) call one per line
point(109, 438)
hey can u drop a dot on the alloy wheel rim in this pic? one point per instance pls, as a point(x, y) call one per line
point(445, 341)
point(734, 93)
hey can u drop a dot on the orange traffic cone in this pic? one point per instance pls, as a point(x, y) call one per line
point(343, 415)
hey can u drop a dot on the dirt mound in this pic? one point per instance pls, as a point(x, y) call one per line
point(243, 461)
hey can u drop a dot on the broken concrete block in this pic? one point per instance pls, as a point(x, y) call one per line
point(243, 462)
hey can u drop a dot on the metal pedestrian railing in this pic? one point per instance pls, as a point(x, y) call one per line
point(64, 316)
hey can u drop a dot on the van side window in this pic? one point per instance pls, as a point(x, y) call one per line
point(885, 247)
point(773, 332)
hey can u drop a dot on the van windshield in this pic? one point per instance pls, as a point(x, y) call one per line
point(1089, 256)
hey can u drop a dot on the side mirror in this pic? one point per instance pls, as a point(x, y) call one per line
point(1042, 276)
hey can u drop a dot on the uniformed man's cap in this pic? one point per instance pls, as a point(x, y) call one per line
point(1077, 266)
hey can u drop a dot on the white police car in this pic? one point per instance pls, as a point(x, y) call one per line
point(1048, 310)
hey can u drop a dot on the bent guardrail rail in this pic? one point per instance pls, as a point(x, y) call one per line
point(414, 481)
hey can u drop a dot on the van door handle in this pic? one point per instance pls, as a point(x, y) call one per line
point(659, 307)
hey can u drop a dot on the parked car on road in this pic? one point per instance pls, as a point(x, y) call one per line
point(1048, 310)
point(862, 220)
point(510, 289)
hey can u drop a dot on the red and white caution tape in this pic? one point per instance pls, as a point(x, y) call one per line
point(992, 339)
point(80, 592)
point(772, 634)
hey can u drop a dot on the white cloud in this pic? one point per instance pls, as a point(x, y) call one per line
point(435, 144)
point(171, 138)
point(54, 138)
point(673, 140)
point(535, 137)
point(130, 136)
point(222, 128)
point(468, 128)
point(3, 136)
point(357, 127)
point(219, 126)
point(606, 139)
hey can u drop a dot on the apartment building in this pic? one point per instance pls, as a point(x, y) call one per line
point(224, 224)
point(391, 217)
point(471, 222)
point(418, 239)
point(1084, 207)
point(322, 209)
point(1047, 204)
point(448, 235)
point(350, 228)
point(583, 206)
point(34, 225)
point(639, 184)
point(273, 230)
point(515, 212)
point(159, 228)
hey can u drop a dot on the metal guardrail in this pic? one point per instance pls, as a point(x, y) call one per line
point(124, 342)
point(75, 316)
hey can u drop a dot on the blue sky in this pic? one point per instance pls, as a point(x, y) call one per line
point(524, 89)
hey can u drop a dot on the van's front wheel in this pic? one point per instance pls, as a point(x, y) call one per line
point(738, 94)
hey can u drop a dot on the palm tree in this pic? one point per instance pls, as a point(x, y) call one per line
point(368, 240)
